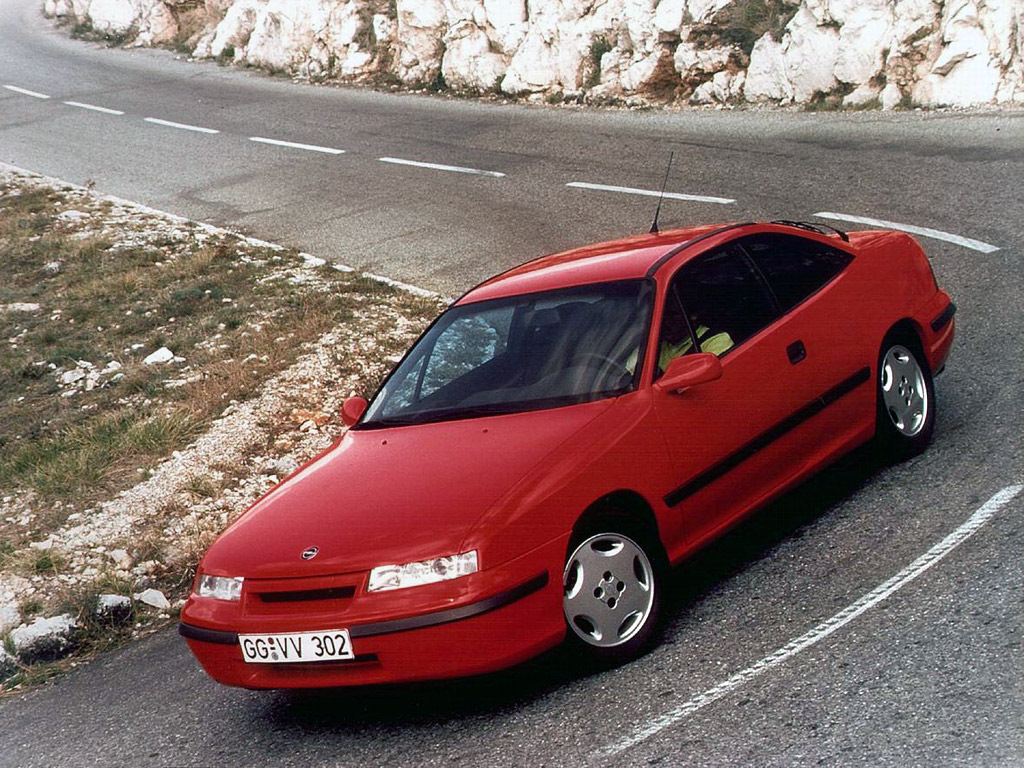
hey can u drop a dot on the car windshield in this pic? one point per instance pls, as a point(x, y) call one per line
point(539, 350)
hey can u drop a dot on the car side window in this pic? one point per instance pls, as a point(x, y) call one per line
point(795, 267)
point(725, 303)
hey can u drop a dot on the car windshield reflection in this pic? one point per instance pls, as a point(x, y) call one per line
point(528, 352)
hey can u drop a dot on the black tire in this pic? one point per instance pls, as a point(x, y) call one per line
point(905, 398)
point(613, 584)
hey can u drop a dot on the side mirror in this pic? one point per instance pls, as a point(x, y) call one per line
point(689, 371)
point(352, 410)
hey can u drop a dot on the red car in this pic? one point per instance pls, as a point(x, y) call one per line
point(558, 438)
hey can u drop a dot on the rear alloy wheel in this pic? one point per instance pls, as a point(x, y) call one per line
point(612, 596)
point(906, 401)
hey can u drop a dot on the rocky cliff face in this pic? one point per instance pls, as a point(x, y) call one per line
point(830, 52)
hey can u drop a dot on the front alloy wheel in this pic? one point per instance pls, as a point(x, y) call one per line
point(610, 594)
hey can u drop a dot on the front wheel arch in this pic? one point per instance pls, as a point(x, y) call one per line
point(622, 519)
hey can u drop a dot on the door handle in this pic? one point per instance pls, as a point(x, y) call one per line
point(796, 352)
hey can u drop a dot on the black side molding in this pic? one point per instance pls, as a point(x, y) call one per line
point(500, 600)
point(766, 438)
point(943, 319)
point(487, 605)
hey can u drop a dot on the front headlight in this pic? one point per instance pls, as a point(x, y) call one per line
point(220, 587)
point(423, 572)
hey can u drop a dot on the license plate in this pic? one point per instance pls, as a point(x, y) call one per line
point(330, 645)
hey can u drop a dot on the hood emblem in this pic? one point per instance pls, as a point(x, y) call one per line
point(310, 553)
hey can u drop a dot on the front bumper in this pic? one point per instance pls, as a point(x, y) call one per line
point(486, 629)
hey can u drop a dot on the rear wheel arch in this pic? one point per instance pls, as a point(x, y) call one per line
point(910, 333)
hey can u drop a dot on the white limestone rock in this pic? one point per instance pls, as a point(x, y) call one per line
point(469, 63)
point(162, 355)
point(693, 62)
point(419, 36)
point(44, 639)
point(892, 96)
point(969, 68)
point(670, 15)
point(811, 53)
point(723, 88)
point(10, 617)
point(865, 33)
point(156, 25)
point(798, 67)
point(115, 608)
point(114, 16)
point(282, 34)
point(957, 52)
point(121, 559)
point(766, 74)
point(506, 24)
point(234, 30)
point(154, 598)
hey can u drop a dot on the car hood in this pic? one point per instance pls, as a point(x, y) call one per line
point(394, 495)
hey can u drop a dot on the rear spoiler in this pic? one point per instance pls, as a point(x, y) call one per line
point(813, 226)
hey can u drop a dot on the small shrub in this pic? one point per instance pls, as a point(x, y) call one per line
point(598, 48)
point(743, 23)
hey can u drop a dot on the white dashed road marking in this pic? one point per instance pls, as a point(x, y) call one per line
point(826, 628)
point(436, 167)
point(182, 126)
point(296, 145)
point(94, 108)
point(650, 193)
point(26, 92)
point(937, 234)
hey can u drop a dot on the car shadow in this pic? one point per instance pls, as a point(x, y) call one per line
point(757, 536)
point(424, 704)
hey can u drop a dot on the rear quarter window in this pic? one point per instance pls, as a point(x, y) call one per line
point(795, 267)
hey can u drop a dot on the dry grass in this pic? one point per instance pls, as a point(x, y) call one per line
point(230, 310)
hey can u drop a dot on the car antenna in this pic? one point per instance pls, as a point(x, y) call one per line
point(661, 195)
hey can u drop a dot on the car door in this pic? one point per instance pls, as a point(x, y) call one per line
point(730, 439)
point(827, 341)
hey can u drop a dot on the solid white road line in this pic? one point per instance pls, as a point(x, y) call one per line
point(436, 167)
point(827, 627)
point(26, 92)
point(650, 193)
point(94, 108)
point(295, 145)
point(937, 234)
point(182, 126)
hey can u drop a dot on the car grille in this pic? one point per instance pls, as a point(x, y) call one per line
point(306, 596)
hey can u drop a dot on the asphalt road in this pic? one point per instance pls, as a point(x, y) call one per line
point(931, 675)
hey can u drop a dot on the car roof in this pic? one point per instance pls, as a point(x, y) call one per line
point(624, 259)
